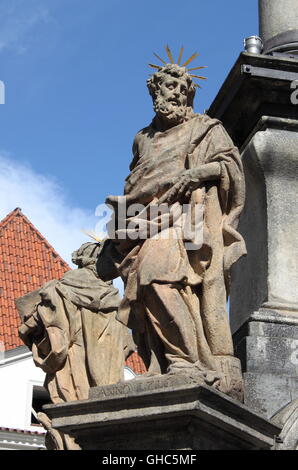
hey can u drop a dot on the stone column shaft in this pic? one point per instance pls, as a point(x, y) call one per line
point(278, 20)
point(269, 275)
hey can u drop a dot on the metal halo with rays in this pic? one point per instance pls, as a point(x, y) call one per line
point(92, 234)
point(188, 61)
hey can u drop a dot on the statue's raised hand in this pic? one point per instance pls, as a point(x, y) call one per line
point(189, 180)
point(186, 183)
point(183, 186)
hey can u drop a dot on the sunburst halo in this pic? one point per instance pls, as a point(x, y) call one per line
point(188, 61)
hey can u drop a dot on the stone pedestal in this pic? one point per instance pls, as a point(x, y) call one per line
point(162, 413)
point(267, 345)
point(255, 107)
point(268, 277)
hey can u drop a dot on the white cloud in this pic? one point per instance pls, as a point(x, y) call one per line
point(17, 20)
point(43, 201)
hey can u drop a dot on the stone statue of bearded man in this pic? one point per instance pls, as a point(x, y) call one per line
point(175, 298)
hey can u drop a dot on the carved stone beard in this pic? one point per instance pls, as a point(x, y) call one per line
point(168, 111)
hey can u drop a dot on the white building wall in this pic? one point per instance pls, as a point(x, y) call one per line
point(18, 375)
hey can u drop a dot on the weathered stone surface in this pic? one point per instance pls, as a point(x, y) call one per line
point(279, 355)
point(269, 276)
point(276, 19)
point(257, 90)
point(175, 295)
point(255, 106)
point(71, 327)
point(268, 350)
point(165, 412)
point(277, 330)
point(268, 279)
point(267, 392)
point(287, 418)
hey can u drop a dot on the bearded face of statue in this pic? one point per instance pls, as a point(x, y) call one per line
point(170, 102)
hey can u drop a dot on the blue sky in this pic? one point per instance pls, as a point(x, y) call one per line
point(75, 75)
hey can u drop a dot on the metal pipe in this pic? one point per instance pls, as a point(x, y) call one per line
point(253, 45)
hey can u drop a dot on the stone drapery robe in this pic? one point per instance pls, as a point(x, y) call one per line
point(71, 327)
point(177, 295)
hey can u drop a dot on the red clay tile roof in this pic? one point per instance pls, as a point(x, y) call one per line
point(136, 364)
point(27, 261)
